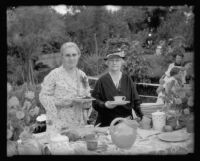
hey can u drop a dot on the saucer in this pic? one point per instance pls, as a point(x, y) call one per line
point(83, 99)
point(119, 102)
point(173, 137)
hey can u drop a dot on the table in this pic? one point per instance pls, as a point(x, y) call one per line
point(150, 145)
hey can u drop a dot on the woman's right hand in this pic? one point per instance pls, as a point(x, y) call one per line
point(109, 105)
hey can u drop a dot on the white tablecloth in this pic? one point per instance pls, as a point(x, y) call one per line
point(144, 144)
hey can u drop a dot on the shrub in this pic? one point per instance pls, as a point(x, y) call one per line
point(23, 107)
point(92, 65)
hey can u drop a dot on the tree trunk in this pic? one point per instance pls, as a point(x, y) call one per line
point(31, 76)
point(96, 45)
point(96, 51)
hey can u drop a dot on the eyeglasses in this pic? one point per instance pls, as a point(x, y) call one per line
point(114, 60)
point(70, 55)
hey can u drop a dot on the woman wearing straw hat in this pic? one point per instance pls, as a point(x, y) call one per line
point(115, 83)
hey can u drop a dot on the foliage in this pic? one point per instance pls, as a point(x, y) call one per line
point(177, 99)
point(134, 18)
point(95, 30)
point(14, 70)
point(22, 110)
point(31, 33)
point(92, 64)
point(85, 25)
point(157, 65)
point(41, 74)
point(178, 23)
point(135, 65)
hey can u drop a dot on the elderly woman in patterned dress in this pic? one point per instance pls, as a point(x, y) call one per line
point(59, 88)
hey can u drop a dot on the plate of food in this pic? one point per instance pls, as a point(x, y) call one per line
point(173, 137)
point(119, 102)
point(83, 98)
point(151, 105)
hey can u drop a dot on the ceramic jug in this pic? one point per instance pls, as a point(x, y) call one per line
point(123, 134)
point(159, 120)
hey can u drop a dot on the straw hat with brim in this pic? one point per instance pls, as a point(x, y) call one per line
point(115, 54)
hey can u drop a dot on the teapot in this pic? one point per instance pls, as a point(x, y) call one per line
point(123, 135)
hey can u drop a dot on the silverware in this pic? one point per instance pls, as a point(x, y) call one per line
point(97, 125)
point(134, 114)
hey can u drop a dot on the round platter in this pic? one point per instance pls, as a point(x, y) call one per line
point(151, 105)
point(83, 99)
point(173, 137)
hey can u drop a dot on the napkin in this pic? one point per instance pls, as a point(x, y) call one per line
point(143, 133)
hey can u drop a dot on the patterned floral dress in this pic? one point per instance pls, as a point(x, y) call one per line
point(58, 90)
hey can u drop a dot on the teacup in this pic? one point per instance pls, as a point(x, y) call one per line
point(89, 137)
point(119, 98)
point(92, 144)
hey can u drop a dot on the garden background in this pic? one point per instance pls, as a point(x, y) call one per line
point(147, 34)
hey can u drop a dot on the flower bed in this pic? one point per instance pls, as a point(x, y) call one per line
point(23, 107)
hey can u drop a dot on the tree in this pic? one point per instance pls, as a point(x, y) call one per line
point(134, 17)
point(178, 23)
point(29, 29)
point(135, 64)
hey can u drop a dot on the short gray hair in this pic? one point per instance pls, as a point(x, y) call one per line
point(69, 45)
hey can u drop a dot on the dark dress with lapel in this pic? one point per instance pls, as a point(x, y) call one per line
point(105, 90)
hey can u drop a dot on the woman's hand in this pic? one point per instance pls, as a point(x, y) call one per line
point(109, 105)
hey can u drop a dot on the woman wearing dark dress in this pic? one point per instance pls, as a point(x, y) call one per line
point(115, 83)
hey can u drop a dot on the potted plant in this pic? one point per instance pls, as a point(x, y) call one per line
point(177, 105)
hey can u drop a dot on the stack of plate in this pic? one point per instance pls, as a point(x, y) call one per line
point(149, 108)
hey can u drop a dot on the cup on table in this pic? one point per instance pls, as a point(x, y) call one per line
point(119, 98)
point(145, 123)
point(89, 137)
point(159, 120)
point(92, 144)
point(190, 125)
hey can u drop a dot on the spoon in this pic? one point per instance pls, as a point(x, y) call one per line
point(97, 125)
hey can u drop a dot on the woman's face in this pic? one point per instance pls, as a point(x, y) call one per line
point(70, 57)
point(179, 59)
point(114, 64)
